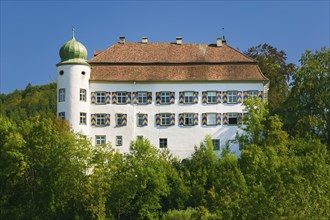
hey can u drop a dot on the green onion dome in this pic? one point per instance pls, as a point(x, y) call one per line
point(73, 52)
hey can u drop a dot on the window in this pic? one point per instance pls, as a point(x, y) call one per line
point(100, 97)
point(121, 97)
point(232, 97)
point(216, 144)
point(61, 72)
point(211, 119)
point(165, 97)
point(162, 142)
point(100, 119)
point(61, 115)
point(119, 140)
point(100, 139)
point(82, 95)
point(165, 119)
point(140, 120)
point(119, 119)
point(211, 97)
point(232, 118)
point(142, 97)
point(188, 119)
point(140, 138)
point(82, 118)
point(253, 93)
point(188, 97)
point(61, 95)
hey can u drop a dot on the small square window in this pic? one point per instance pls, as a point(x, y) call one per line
point(82, 96)
point(142, 97)
point(82, 118)
point(61, 95)
point(188, 97)
point(119, 140)
point(232, 118)
point(100, 97)
point(162, 142)
point(140, 138)
point(61, 115)
point(121, 97)
point(253, 93)
point(211, 119)
point(188, 119)
point(216, 144)
point(211, 97)
point(165, 97)
point(100, 119)
point(165, 119)
point(100, 139)
point(232, 96)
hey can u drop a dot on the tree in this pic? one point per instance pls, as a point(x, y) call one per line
point(273, 65)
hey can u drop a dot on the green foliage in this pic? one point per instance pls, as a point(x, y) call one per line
point(34, 100)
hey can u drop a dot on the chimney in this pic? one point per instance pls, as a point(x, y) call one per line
point(179, 40)
point(144, 40)
point(122, 40)
point(219, 42)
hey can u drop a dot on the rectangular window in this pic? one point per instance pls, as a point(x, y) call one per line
point(162, 142)
point(82, 96)
point(82, 118)
point(100, 119)
point(121, 97)
point(211, 119)
point(188, 119)
point(211, 97)
point(232, 118)
point(165, 119)
point(100, 139)
point(142, 97)
point(253, 93)
point(140, 120)
point(61, 95)
point(119, 119)
point(165, 97)
point(216, 144)
point(119, 140)
point(232, 97)
point(61, 115)
point(100, 97)
point(188, 97)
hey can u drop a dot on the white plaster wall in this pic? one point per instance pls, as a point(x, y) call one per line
point(181, 140)
point(72, 81)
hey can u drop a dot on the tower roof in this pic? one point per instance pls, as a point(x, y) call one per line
point(73, 52)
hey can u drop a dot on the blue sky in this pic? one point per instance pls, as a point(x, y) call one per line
point(32, 32)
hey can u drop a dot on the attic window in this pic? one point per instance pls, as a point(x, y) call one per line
point(61, 72)
point(83, 72)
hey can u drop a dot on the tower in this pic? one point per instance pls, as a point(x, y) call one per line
point(73, 74)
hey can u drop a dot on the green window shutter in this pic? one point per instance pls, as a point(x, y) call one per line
point(204, 119)
point(225, 119)
point(158, 98)
point(157, 119)
point(93, 97)
point(149, 97)
point(172, 97)
point(107, 120)
point(224, 97)
point(135, 98)
point(195, 97)
point(181, 97)
point(93, 120)
point(107, 98)
point(196, 119)
point(218, 118)
point(124, 120)
point(114, 98)
point(145, 120)
point(128, 98)
point(218, 97)
point(204, 97)
point(181, 119)
point(239, 97)
point(172, 119)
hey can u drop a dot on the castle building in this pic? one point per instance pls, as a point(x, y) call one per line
point(173, 94)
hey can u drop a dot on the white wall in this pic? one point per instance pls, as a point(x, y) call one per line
point(181, 140)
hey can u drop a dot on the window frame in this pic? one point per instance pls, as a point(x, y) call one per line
point(163, 95)
point(215, 97)
point(188, 97)
point(229, 96)
point(185, 117)
point(100, 119)
point(168, 117)
point(119, 141)
point(146, 97)
point(119, 116)
point(208, 120)
point(100, 97)
point(217, 146)
point(250, 93)
point(83, 118)
point(61, 95)
point(82, 95)
point(100, 138)
point(122, 97)
point(163, 143)
point(139, 119)
point(61, 115)
point(230, 115)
